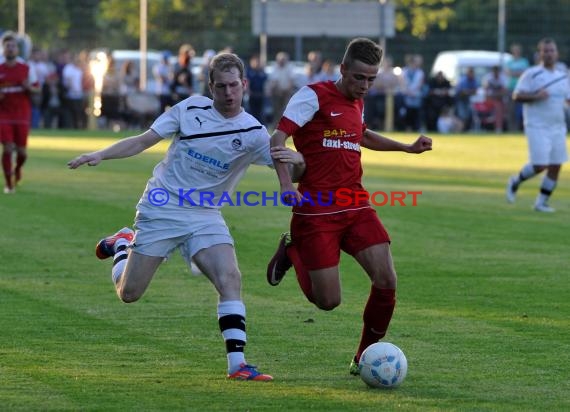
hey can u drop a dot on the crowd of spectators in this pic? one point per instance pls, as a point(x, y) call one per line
point(65, 85)
point(403, 99)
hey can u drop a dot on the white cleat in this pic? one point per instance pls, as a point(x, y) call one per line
point(544, 208)
point(8, 191)
point(511, 192)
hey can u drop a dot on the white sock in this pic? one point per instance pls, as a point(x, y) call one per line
point(231, 318)
point(526, 173)
point(546, 189)
point(119, 259)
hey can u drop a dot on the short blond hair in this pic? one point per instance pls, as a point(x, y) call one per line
point(225, 62)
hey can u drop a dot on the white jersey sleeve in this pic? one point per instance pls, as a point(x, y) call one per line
point(302, 106)
point(167, 125)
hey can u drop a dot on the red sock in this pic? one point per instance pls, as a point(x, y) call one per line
point(20, 160)
point(377, 316)
point(7, 167)
point(302, 273)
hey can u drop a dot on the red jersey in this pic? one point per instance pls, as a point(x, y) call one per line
point(327, 128)
point(15, 103)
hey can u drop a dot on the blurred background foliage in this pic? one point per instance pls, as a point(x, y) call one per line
point(422, 26)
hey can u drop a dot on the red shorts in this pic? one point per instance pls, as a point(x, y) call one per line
point(16, 133)
point(320, 238)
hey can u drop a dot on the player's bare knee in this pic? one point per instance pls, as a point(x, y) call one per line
point(228, 283)
point(385, 280)
point(129, 295)
point(327, 304)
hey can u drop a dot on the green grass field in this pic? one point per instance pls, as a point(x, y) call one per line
point(483, 311)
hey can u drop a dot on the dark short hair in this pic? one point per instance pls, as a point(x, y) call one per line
point(225, 62)
point(545, 40)
point(9, 36)
point(363, 50)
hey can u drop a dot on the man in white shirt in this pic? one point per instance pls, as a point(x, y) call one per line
point(213, 143)
point(543, 89)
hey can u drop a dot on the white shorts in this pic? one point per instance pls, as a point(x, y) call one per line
point(547, 146)
point(189, 232)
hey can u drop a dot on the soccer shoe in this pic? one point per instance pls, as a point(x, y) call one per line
point(354, 369)
point(9, 190)
point(511, 192)
point(279, 263)
point(249, 373)
point(106, 246)
point(543, 207)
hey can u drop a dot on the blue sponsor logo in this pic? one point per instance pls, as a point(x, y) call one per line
point(209, 160)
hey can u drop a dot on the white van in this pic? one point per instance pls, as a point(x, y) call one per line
point(454, 63)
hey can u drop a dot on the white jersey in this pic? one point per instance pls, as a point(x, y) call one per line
point(550, 111)
point(208, 156)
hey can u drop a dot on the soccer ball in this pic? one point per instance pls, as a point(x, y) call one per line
point(383, 365)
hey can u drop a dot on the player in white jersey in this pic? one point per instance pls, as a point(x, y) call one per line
point(213, 143)
point(544, 91)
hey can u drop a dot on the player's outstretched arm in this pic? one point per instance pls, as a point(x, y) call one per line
point(124, 148)
point(374, 141)
point(288, 190)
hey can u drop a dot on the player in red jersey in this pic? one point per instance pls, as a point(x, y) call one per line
point(326, 122)
point(17, 81)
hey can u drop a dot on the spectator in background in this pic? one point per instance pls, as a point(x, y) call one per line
point(309, 76)
point(382, 97)
point(112, 105)
point(129, 84)
point(74, 99)
point(328, 72)
point(52, 101)
point(515, 69)
point(62, 57)
point(438, 97)
point(204, 72)
point(448, 122)
point(129, 78)
point(163, 74)
point(315, 62)
point(495, 86)
point(466, 88)
point(87, 84)
point(256, 78)
point(38, 63)
point(280, 84)
point(182, 85)
point(414, 80)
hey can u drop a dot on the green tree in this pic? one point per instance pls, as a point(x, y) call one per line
point(203, 23)
point(47, 22)
point(417, 17)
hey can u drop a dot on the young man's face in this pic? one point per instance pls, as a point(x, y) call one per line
point(548, 54)
point(10, 49)
point(357, 79)
point(227, 91)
